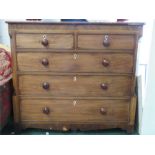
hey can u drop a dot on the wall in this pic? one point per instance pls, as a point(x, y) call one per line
point(142, 65)
point(4, 36)
point(143, 52)
point(148, 117)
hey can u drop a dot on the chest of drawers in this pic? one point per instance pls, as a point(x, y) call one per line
point(74, 76)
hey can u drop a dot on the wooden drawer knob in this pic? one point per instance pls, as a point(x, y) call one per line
point(103, 111)
point(105, 63)
point(46, 110)
point(46, 85)
point(44, 41)
point(45, 62)
point(106, 41)
point(104, 86)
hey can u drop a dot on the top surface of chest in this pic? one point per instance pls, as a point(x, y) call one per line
point(41, 27)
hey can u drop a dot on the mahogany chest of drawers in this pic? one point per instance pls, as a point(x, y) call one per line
point(74, 76)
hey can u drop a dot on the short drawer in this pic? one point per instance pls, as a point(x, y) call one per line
point(76, 62)
point(76, 111)
point(105, 41)
point(43, 41)
point(68, 85)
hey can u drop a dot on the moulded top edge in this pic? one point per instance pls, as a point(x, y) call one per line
point(78, 23)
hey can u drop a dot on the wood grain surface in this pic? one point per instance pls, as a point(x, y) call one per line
point(75, 111)
point(89, 41)
point(56, 41)
point(74, 75)
point(75, 85)
point(76, 62)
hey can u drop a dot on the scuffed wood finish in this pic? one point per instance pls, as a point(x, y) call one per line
point(15, 98)
point(55, 41)
point(16, 109)
point(132, 114)
point(75, 111)
point(76, 62)
point(75, 85)
point(96, 41)
point(74, 126)
point(74, 76)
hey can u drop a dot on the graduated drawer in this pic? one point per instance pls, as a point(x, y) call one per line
point(76, 62)
point(38, 110)
point(70, 85)
point(43, 41)
point(104, 41)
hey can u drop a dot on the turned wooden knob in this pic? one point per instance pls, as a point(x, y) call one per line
point(44, 41)
point(106, 41)
point(64, 128)
point(103, 111)
point(46, 110)
point(45, 62)
point(46, 85)
point(104, 86)
point(105, 63)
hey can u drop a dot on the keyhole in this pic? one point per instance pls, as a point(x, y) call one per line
point(44, 36)
point(74, 103)
point(74, 78)
point(75, 56)
point(106, 37)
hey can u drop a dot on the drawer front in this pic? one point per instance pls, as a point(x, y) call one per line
point(75, 85)
point(52, 41)
point(90, 41)
point(74, 110)
point(75, 62)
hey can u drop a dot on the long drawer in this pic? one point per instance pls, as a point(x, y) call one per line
point(75, 111)
point(76, 62)
point(43, 41)
point(68, 85)
point(105, 41)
